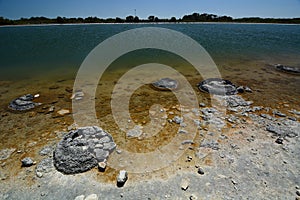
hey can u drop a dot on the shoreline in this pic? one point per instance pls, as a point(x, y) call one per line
point(144, 23)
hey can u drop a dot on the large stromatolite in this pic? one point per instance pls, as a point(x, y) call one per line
point(217, 86)
point(81, 150)
point(166, 84)
point(23, 103)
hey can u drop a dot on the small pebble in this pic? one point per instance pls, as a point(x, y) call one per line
point(298, 192)
point(193, 197)
point(184, 184)
point(202, 105)
point(122, 178)
point(27, 162)
point(200, 171)
point(279, 141)
point(102, 166)
point(91, 197)
point(81, 197)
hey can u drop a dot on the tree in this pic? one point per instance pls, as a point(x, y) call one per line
point(136, 19)
point(173, 19)
point(119, 20)
point(129, 18)
point(151, 18)
point(60, 20)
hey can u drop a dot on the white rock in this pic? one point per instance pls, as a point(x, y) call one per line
point(135, 132)
point(81, 197)
point(36, 95)
point(184, 184)
point(39, 174)
point(91, 197)
point(63, 112)
point(122, 177)
point(102, 166)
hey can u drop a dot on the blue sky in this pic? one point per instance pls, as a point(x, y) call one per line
point(15, 9)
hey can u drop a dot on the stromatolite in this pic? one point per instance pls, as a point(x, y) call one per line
point(23, 103)
point(217, 86)
point(81, 150)
point(166, 84)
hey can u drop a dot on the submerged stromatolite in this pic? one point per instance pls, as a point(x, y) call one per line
point(287, 69)
point(166, 84)
point(218, 86)
point(81, 150)
point(23, 103)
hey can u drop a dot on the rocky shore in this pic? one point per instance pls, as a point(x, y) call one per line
point(249, 152)
point(242, 150)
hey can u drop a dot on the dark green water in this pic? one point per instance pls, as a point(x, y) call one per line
point(29, 51)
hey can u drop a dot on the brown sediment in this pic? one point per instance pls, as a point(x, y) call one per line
point(19, 129)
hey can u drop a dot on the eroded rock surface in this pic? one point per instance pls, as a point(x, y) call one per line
point(81, 150)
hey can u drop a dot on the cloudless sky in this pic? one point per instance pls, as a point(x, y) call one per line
point(15, 9)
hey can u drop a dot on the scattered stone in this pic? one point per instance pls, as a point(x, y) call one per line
point(91, 197)
point(39, 174)
point(235, 101)
point(82, 149)
point(182, 131)
point(298, 192)
point(77, 95)
point(178, 120)
point(63, 112)
point(45, 166)
point(217, 86)
point(247, 89)
point(233, 181)
point(189, 158)
point(202, 105)
point(240, 89)
point(51, 109)
point(200, 171)
point(166, 84)
point(210, 144)
point(184, 184)
point(279, 140)
point(193, 197)
point(102, 166)
point(46, 151)
point(187, 142)
point(135, 132)
point(23, 103)
point(280, 114)
point(292, 118)
point(27, 162)
point(122, 178)
point(286, 128)
point(5, 153)
point(296, 112)
point(81, 197)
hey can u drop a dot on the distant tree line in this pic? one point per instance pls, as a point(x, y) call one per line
point(195, 17)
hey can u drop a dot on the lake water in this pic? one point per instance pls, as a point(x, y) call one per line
point(45, 60)
point(29, 51)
